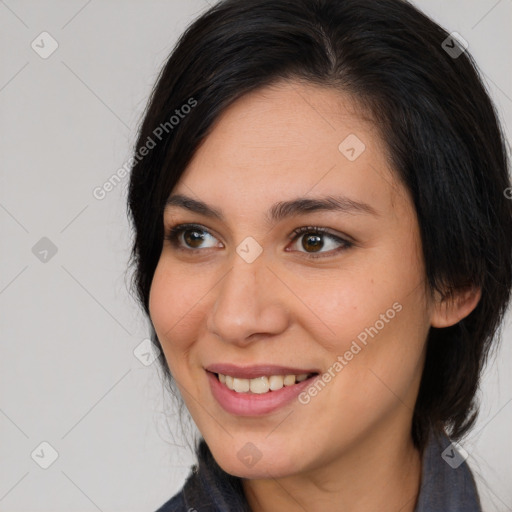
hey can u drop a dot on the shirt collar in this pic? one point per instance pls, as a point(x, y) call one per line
point(447, 483)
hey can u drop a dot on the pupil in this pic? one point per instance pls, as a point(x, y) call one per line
point(194, 240)
point(315, 242)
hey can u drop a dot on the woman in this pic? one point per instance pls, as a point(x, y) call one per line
point(323, 247)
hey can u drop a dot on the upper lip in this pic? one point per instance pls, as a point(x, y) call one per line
point(260, 370)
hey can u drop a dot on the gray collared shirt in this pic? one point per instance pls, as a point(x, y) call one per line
point(447, 484)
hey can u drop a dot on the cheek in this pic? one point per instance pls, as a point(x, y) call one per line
point(382, 340)
point(374, 314)
point(342, 305)
point(174, 305)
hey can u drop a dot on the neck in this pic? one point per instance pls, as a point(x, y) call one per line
point(382, 472)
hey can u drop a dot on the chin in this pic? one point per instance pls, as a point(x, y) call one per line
point(254, 460)
point(261, 470)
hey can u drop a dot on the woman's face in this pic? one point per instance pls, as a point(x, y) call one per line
point(243, 295)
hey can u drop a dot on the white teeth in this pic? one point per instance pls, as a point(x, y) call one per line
point(241, 385)
point(276, 382)
point(289, 380)
point(261, 385)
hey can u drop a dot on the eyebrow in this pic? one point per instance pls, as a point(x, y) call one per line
point(282, 209)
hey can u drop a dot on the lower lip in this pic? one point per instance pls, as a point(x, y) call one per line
point(253, 404)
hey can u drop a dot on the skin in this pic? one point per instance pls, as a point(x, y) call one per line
point(350, 447)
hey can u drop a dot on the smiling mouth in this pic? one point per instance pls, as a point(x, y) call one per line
point(263, 384)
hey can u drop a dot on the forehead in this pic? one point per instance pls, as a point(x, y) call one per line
point(289, 140)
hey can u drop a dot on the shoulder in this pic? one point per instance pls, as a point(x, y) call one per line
point(175, 504)
point(447, 481)
point(208, 488)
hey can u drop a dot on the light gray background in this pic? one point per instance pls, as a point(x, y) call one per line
point(68, 374)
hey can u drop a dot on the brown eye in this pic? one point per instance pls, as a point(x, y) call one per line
point(312, 242)
point(193, 237)
point(189, 237)
point(314, 239)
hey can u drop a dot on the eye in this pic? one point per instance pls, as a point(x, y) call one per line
point(189, 237)
point(314, 241)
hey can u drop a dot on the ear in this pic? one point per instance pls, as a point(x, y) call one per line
point(454, 306)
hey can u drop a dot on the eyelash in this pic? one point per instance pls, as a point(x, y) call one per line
point(173, 233)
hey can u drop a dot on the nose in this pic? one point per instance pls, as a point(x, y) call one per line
point(249, 303)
